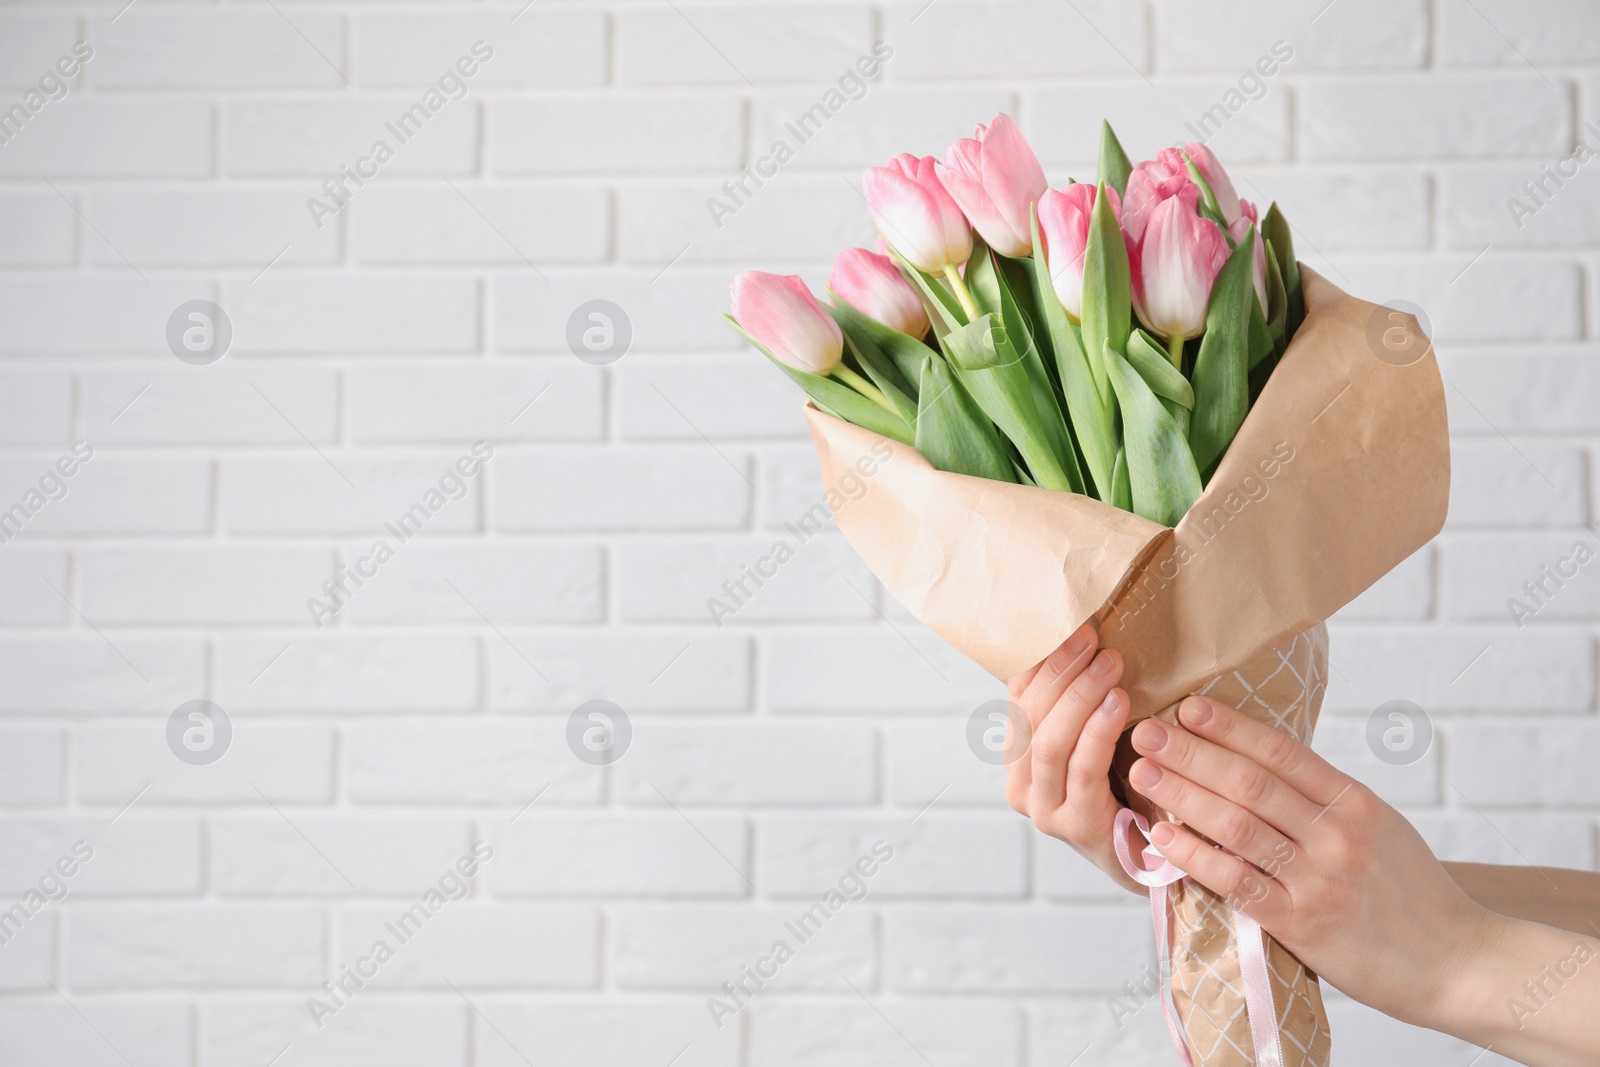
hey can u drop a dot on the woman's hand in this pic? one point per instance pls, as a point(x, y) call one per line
point(1060, 779)
point(1344, 882)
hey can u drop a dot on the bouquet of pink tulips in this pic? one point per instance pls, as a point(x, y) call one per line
point(1111, 403)
point(1104, 339)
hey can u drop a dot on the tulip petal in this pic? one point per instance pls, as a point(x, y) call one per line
point(780, 312)
point(970, 195)
point(1013, 179)
point(873, 283)
point(915, 213)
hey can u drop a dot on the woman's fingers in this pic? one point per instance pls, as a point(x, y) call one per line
point(1035, 691)
point(1220, 819)
point(1059, 670)
point(1088, 782)
point(1055, 738)
point(1312, 776)
point(1228, 774)
point(1256, 894)
point(1089, 769)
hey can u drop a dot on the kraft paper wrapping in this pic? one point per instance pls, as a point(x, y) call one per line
point(1340, 471)
point(1282, 686)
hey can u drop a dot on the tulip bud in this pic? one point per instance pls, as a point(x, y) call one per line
point(996, 178)
point(1148, 185)
point(1173, 267)
point(1211, 170)
point(1237, 229)
point(780, 312)
point(872, 284)
point(915, 214)
point(1064, 228)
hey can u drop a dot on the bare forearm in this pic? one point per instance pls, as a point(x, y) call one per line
point(1564, 899)
point(1529, 993)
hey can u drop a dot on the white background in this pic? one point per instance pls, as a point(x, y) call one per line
point(768, 754)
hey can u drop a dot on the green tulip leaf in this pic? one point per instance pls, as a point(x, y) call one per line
point(1221, 369)
point(1107, 290)
point(1121, 486)
point(1260, 333)
point(952, 434)
point(1277, 300)
point(994, 373)
point(983, 282)
point(883, 374)
point(1276, 229)
point(1162, 478)
point(944, 310)
point(904, 351)
point(1091, 417)
point(1114, 164)
point(1046, 394)
point(1148, 358)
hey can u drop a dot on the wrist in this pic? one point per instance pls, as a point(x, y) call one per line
point(1469, 1000)
point(1517, 969)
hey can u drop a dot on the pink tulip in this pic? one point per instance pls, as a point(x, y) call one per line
point(1211, 170)
point(1173, 266)
point(1241, 226)
point(996, 178)
point(1148, 185)
point(1064, 228)
point(915, 214)
point(872, 285)
point(780, 312)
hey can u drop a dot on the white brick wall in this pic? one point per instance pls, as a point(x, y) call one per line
point(768, 754)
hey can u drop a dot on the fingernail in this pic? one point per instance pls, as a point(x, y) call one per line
point(1101, 665)
point(1196, 712)
point(1163, 835)
point(1070, 653)
point(1151, 736)
point(1108, 707)
point(1145, 775)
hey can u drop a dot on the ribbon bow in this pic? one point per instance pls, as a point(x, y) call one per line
point(1157, 873)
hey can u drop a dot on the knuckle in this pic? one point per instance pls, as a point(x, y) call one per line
point(1248, 887)
point(1364, 803)
point(1280, 750)
point(1050, 748)
point(1343, 847)
point(1253, 785)
point(1237, 829)
point(1081, 778)
point(1081, 691)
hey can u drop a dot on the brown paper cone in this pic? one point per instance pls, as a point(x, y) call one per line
point(1340, 471)
point(1282, 687)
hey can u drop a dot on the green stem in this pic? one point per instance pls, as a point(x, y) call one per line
point(864, 387)
point(952, 274)
point(1175, 351)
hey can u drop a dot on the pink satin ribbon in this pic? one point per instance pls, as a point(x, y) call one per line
point(1156, 872)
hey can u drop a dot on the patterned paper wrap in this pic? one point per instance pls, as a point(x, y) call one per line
point(1340, 471)
point(1281, 687)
